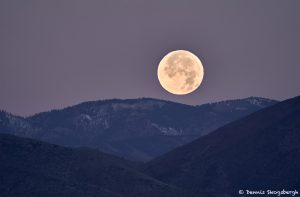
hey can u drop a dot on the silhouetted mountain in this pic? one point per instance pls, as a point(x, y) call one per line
point(30, 168)
point(258, 152)
point(137, 129)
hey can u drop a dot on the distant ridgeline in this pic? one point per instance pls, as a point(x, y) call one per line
point(136, 129)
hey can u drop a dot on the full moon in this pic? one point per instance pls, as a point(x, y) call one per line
point(180, 72)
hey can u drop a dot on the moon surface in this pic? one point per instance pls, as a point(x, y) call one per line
point(180, 72)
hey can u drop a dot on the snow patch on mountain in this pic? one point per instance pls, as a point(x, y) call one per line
point(18, 122)
point(169, 131)
point(260, 102)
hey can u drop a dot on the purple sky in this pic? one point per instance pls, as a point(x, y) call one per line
point(57, 53)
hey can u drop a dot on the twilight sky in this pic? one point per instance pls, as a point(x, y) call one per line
point(57, 53)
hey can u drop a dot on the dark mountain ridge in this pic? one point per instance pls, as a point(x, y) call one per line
point(31, 168)
point(136, 129)
point(258, 152)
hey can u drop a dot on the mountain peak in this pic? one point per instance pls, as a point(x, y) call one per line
point(137, 129)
